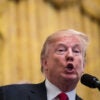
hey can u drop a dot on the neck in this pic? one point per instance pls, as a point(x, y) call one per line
point(65, 86)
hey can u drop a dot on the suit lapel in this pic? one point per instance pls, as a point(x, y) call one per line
point(38, 92)
point(78, 98)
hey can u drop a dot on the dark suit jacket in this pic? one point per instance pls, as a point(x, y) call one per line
point(25, 92)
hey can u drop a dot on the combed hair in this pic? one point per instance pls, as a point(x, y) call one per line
point(51, 38)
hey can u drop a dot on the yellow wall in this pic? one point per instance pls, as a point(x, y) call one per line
point(23, 28)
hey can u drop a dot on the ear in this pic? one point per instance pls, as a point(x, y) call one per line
point(84, 60)
point(84, 63)
point(44, 63)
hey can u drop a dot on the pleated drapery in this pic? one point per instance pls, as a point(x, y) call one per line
point(24, 26)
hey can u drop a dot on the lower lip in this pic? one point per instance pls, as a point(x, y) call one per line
point(70, 70)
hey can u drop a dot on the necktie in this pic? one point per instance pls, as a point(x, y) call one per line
point(63, 96)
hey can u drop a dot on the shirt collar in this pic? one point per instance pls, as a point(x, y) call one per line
point(71, 95)
point(53, 91)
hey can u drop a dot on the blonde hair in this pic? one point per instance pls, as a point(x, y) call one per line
point(83, 39)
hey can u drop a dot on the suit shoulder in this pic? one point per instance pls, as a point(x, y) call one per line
point(15, 87)
point(20, 86)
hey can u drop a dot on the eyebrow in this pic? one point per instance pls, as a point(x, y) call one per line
point(77, 45)
point(61, 45)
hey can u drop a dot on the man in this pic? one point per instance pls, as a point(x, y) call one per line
point(62, 62)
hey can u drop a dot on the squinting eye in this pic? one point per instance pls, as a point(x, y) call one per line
point(77, 51)
point(60, 51)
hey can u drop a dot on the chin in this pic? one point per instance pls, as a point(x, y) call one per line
point(71, 77)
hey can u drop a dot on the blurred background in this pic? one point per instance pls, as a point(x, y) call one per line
point(24, 26)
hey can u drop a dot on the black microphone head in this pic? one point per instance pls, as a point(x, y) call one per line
point(89, 80)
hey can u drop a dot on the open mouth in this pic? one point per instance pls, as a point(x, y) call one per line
point(70, 67)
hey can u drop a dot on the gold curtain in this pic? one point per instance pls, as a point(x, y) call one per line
point(24, 26)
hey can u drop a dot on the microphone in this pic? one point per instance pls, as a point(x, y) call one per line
point(90, 81)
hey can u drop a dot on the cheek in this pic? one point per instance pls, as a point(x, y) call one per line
point(56, 58)
point(55, 64)
point(55, 61)
point(80, 65)
point(52, 62)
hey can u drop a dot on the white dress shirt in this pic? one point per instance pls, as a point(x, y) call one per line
point(53, 91)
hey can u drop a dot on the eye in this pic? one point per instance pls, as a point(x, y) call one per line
point(60, 50)
point(76, 51)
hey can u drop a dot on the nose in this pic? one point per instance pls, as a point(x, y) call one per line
point(69, 55)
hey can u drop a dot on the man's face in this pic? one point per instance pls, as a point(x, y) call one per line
point(65, 61)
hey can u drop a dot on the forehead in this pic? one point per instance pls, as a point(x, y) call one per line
point(69, 40)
